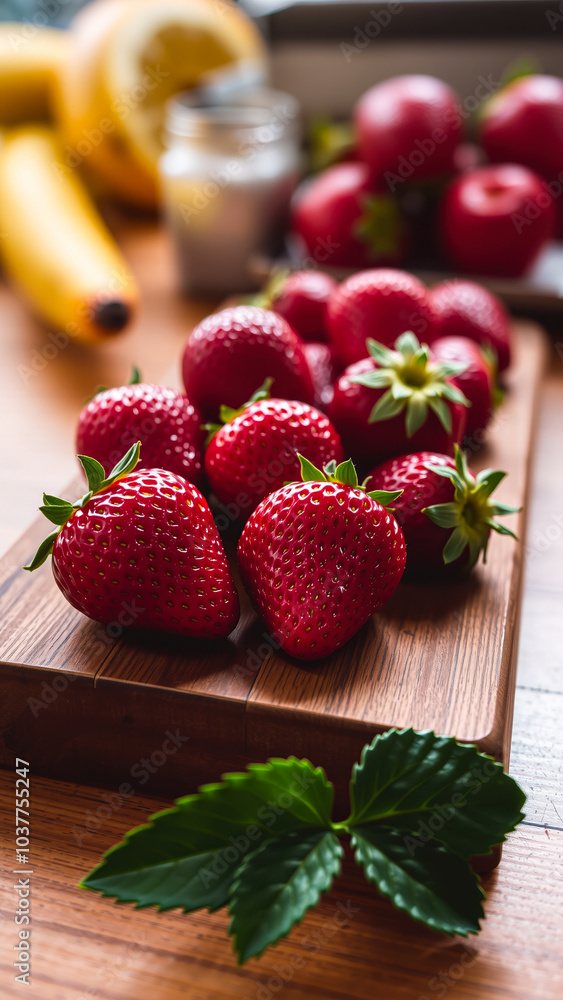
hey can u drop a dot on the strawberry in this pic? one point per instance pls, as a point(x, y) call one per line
point(162, 419)
point(301, 298)
point(340, 220)
point(476, 381)
point(141, 548)
point(233, 351)
point(256, 450)
point(319, 558)
point(381, 303)
point(397, 401)
point(444, 510)
point(408, 128)
point(325, 369)
point(466, 309)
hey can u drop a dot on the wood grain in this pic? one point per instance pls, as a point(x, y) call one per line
point(87, 948)
point(435, 657)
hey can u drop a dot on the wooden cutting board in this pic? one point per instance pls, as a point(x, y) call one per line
point(155, 712)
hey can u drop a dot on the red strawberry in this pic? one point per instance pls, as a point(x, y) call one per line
point(465, 309)
point(162, 419)
point(476, 381)
point(382, 304)
point(325, 369)
point(340, 221)
point(397, 401)
point(233, 351)
point(141, 548)
point(319, 558)
point(496, 220)
point(444, 510)
point(408, 127)
point(256, 451)
point(301, 298)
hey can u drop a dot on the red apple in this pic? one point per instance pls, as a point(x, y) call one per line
point(495, 220)
point(408, 128)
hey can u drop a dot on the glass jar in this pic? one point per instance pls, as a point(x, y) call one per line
point(227, 177)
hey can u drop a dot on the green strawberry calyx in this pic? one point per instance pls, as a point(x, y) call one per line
point(135, 379)
point(346, 475)
point(228, 413)
point(415, 384)
point(380, 226)
point(59, 511)
point(471, 514)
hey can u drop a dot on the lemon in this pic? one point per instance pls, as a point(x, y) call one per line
point(128, 57)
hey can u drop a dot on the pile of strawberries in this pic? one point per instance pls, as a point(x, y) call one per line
point(274, 429)
point(418, 184)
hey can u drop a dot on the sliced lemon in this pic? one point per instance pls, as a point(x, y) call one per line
point(130, 56)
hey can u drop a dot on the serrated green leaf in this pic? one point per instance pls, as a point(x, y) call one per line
point(346, 473)
point(187, 856)
point(417, 410)
point(455, 545)
point(93, 471)
point(275, 886)
point(51, 501)
point(386, 408)
point(435, 887)
point(405, 779)
point(445, 515)
point(488, 480)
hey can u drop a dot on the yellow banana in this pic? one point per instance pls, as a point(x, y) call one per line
point(54, 246)
point(31, 60)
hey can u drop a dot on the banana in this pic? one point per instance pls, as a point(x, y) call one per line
point(31, 61)
point(55, 248)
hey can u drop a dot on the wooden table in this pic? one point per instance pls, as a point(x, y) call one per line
point(84, 947)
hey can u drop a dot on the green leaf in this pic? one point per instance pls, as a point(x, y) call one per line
point(135, 378)
point(384, 497)
point(448, 369)
point(442, 411)
point(455, 545)
point(435, 887)
point(432, 786)
point(488, 480)
point(309, 472)
point(417, 410)
point(455, 395)
point(187, 856)
point(57, 513)
point(386, 408)
point(43, 552)
point(123, 467)
point(501, 529)
point(445, 515)
point(346, 473)
point(380, 353)
point(275, 886)
point(52, 501)
point(407, 344)
point(94, 472)
point(506, 508)
point(373, 380)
